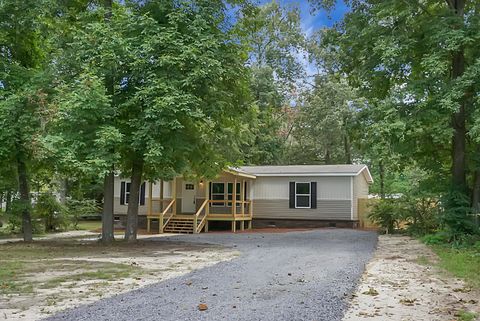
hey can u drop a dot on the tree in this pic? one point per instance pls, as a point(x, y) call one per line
point(276, 44)
point(24, 88)
point(418, 62)
point(324, 125)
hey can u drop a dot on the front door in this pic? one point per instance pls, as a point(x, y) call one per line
point(188, 197)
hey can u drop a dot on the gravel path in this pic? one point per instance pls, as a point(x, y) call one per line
point(286, 276)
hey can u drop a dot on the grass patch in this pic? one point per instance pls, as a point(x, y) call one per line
point(466, 316)
point(463, 263)
point(89, 225)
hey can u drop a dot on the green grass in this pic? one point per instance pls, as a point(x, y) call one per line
point(89, 225)
point(462, 263)
point(466, 316)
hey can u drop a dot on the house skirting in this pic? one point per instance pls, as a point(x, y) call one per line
point(298, 223)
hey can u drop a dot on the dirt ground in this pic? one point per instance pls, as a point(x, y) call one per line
point(402, 283)
point(51, 275)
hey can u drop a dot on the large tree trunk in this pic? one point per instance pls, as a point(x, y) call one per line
point(107, 212)
point(133, 202)
point(459, 117)
point(24, 199)
point(109, 179)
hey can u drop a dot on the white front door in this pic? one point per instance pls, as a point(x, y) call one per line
point(188, 197)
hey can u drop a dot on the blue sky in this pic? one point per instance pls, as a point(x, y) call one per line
point(313, 21)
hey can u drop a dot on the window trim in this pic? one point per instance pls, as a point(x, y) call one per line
point(215, 203)
point(127, 191)
point(309, 195)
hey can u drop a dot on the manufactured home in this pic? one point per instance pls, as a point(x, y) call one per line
point(282, 196)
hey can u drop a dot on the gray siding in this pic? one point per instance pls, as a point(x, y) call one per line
point(326, 210)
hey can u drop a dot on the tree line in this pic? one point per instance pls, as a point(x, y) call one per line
point(153, 89)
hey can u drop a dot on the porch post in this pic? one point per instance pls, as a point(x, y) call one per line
point(161, 195)
point(242, 197)
point(234, 198)
point(150, 196)
point(207, 196)
point(149, 208)
point(174, 195)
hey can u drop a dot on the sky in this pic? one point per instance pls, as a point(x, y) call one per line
point(313, 21)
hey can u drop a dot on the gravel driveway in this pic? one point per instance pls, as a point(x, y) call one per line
point(284, 276)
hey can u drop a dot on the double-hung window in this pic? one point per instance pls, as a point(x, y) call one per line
point(127, 192)
point(302, 195)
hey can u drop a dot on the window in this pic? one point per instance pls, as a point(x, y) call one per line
point(302, 195)
point(218, 193)
point(127, 192)
point(230, 192)
point(189, 187)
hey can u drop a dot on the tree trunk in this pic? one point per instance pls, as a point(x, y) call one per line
point(8, 201)
point(24, 199)
point(109, 179)
point(133, 202)
point(382, 180)
point(459, 117)
point(328, 159)
point(107, 212)
point(347, 149)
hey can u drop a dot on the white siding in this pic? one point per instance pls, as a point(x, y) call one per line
point(276, 188)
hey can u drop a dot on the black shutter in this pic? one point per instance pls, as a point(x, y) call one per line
point(122, 193)
point(142, 194)
point(313, 195)
point(292, 195)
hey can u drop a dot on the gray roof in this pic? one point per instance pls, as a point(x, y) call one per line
point(307, 170)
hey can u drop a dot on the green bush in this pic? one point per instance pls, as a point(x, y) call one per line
point(421, 214)
point(80, 209)
point(54, 215)
point(387, 213)
point(456, 218)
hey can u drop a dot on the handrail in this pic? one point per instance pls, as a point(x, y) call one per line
point(198, 227)
point(166, 210)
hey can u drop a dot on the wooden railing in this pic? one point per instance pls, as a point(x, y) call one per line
point(245, 212)
point(197, 227)
point(162, 215)
point(172, 213)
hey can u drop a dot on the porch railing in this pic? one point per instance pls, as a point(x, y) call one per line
point(167, 214)
point(197, 226)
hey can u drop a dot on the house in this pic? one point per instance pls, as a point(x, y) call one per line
point(286, 196)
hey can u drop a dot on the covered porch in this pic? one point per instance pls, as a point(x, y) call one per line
point(187, 206)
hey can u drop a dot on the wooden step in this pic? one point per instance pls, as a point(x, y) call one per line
point(180, 225)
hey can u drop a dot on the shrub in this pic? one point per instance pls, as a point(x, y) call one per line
point(456, 216)
point(81, 209)
point(387, 214)
point(421, 214)
point(53, 214)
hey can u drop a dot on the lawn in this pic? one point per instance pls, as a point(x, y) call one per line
point(462, 263)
